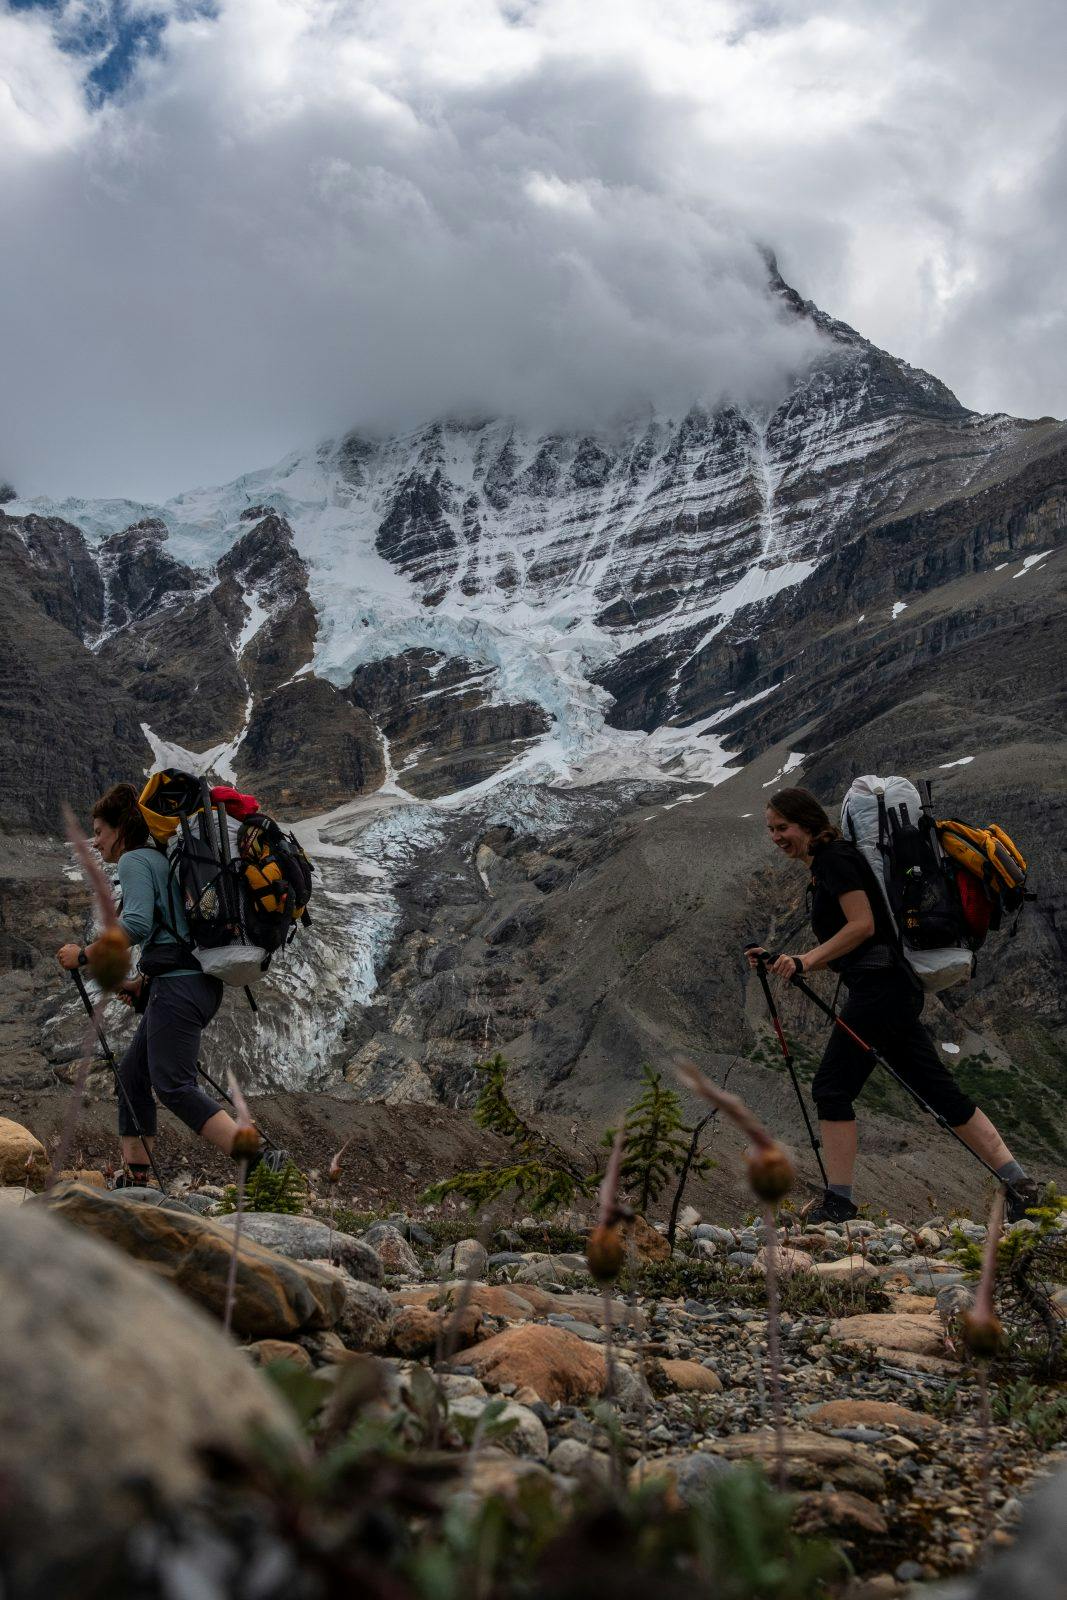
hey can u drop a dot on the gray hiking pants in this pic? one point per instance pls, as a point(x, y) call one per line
point(163, 1053)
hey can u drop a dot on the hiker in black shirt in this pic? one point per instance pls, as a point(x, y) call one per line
point(857, 938)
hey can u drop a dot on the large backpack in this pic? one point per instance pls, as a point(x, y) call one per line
point(889, 825)
point(243, 882)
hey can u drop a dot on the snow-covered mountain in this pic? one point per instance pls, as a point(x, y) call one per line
point(547, 562)
point(380, 634)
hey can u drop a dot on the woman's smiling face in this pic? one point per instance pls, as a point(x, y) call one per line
point(788, 837)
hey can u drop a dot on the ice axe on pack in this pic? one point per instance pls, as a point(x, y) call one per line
point(762, 958)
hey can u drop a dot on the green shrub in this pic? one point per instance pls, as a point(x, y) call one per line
point(285, 1191)
point(542, 1174)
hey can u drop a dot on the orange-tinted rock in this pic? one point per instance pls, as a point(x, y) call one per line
point(893, 1330)
point(688, 1376)
point(873, 1414)
point(641, 1239)
point(556, 1364)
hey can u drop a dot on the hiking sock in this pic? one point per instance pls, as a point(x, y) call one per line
point(843, 1189)
point(1011, 1172)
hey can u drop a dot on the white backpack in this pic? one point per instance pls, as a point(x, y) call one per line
point(876, 815)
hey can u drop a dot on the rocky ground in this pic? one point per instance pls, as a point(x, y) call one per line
point(417, 1321)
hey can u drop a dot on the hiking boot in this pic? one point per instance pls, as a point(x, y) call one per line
point(832, 1208)
point(1019, 1197)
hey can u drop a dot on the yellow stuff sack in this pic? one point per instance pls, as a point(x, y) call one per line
point(989, 854)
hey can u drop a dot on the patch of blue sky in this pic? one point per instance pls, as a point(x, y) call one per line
point(112, 35)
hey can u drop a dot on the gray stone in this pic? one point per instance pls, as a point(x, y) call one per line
point(470, 1259)
point(392, 1250)
point(367, 1314)
point(153, 1197)
point(308, 1239)
point(708, 1230)
point(695, 1475)
point(584, 1330)
point(527, 1436)
point(579, 1460)
point(111, 1386)
point(954, 1299)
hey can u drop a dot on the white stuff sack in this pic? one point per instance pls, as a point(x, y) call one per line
point(936, 969)
point(238, 964)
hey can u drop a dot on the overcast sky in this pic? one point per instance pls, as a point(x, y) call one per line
point(232, 228)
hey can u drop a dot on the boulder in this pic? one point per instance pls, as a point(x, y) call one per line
point(849, 1269)
point(788, 1261)
point(264, 1352)
point(275, 1297)
point(688, 1376)
point(643, 1241)
point(557, 1365)
point(810, 1459)
point(892, 1330)
point(308, 1239)
point(17, 1146)
point(470, 1259)
point(838, 1514)
point(874, 1414)
point(143, 1195)
point(496, 1473)
point(578, 1460)
point(418, 1331)
point(392, 1249)
point(111, 1387)
point(527, 1436)
point(366, 1314)
point(89, 1175)
point(686, 1479)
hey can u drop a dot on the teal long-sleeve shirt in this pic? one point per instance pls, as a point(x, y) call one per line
point(146, 884)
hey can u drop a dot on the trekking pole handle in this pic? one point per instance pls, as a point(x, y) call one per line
point(763, 957)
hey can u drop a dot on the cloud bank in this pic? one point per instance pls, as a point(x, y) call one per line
point(289, 217)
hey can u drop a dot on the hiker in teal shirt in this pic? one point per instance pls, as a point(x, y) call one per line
point(181, 999)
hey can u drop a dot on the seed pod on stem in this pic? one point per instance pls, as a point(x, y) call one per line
point(109, 963)
point(770, 1167)
point(983, 1331)
point(604, 1247)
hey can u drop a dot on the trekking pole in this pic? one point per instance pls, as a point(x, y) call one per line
point(113, 1064)
point(789, 1066)
point(798, 982)
point(229, 1097)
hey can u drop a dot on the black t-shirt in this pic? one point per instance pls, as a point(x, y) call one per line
point(837, 868)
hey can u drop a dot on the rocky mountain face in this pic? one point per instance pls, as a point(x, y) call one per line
point(526, 696)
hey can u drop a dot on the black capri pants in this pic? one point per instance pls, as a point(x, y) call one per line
point(884, 1006)
point(164, 1051)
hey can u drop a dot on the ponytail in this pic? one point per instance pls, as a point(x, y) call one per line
point(801, 807)
point(119, 809)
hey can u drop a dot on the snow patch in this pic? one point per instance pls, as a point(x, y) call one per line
point(964, 761)
point(1000, 566)
point(1031, 561)
point(257, 616)
point(898, 607)
point(795, 759)
point(950, 1049)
